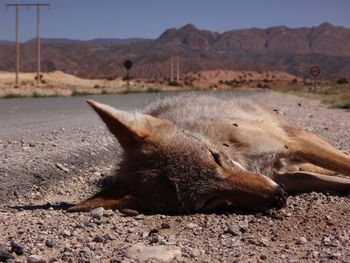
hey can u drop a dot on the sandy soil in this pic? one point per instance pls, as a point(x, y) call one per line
point(228, 79)
point(58, 83)
point(67, 166)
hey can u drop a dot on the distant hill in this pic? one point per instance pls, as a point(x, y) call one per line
point(292, 50)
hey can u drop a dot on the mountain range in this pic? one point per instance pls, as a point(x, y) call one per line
point(293, 50)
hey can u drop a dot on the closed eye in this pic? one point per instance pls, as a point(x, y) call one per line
point(216, 157)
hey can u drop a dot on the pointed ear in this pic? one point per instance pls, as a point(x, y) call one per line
point(129, 128)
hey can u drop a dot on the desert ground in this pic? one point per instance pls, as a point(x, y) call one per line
point(55, 151)
point(58, 83)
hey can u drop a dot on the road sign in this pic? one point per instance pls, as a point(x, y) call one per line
point(127, 64)
point(315, 71)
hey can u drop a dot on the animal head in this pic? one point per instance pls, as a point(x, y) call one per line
point(177, 171)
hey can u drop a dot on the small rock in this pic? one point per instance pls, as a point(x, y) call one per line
point(5, 255)
point(62, 167)
point(301, 241)
point(108, 213)
point(129, 212)
point(49, 243)
point(336, 255)
point(326, 241)
point(165, 226)
point(67, 248)
point(160, 253)
point(195, 253)
point(263, 257)
point(315, 253)
point(85, 251)
point(35, 259)
point(140, 217)
point(17, 248)
point(111, 237)
point(233, 230)
point(234, 244)
point(98, 239)
point(66, 233)
point(191, 225)
point(97, 212)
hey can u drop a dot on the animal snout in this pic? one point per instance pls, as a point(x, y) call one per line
point(280, 197)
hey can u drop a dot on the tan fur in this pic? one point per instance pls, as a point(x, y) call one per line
point(198, 153)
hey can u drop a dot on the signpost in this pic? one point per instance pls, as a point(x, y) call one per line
point(315, 71)
point(127, 65)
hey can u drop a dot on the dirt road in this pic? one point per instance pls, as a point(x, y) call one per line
point(56, 150)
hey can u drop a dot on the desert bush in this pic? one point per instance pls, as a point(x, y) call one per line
point(111, 78)
point(76, 93)
point(153, 90)
point(13, 96)
point(342, 81)
point(41, 77)
point(175, 84)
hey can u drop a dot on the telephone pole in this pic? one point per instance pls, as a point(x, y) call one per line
point(37, 5)
point(171, 69)
point(177, 69)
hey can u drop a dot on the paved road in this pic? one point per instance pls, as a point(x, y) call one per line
point(28, 117)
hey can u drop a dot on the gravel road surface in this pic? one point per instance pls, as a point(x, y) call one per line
point(55, 151)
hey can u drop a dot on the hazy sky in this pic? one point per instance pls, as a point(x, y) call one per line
point(88, 19)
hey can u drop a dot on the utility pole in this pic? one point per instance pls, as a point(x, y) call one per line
point(37, 5)
point(177, 69)
point(171, 70)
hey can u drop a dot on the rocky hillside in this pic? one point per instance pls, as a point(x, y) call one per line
point(278, 48)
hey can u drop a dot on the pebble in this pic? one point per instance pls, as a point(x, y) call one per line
point(191, 225)
point(160, 253)
point(49, 243)
point(62, 167)
point(97, 212)
point(195, 252)
point(35, 259)
point(233, 230)
point(17, 248)
point(140, 217)
point(5, 255)
point(98, 239)
point(85, 251)
point(66, 233)
point(301, 241)
point(111, 237)
point(108, 213)
point(165, 226)
point(129, 212)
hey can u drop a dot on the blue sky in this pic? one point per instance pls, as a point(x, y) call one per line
point(88, 19)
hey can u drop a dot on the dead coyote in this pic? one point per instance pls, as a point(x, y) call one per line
point(199, 153)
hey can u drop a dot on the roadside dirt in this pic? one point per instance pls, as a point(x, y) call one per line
point(39, 177)
point(58, 83)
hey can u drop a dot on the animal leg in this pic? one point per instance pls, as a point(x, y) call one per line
point(315, 150)
point(303, 182)
point(307, 167)
point(107, 202)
